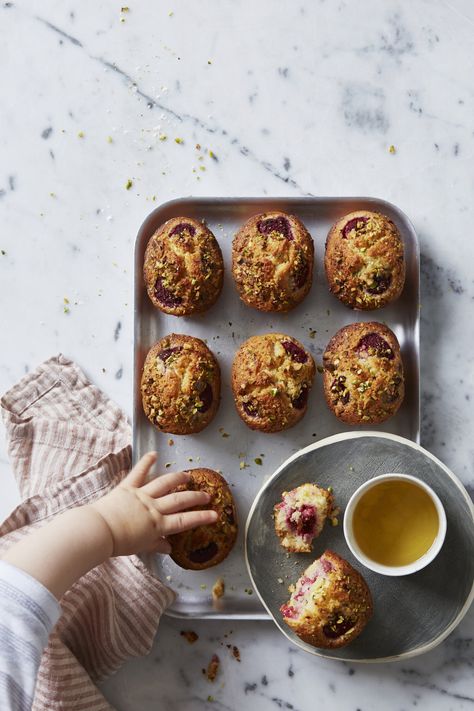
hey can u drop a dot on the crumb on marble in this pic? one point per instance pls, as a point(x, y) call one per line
point(128, 184)
point(392, 149)
point(212, 668)
point(189, 635)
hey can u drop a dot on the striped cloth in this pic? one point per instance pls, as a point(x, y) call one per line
point(68, 445)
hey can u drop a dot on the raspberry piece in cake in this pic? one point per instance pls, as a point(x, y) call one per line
point(300, 516)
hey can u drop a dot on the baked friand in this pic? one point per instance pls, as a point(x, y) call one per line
point(363, 373)
point(330, 604)
point(364, 260)
point(272, 261)
point(183, 267)
point(206, 546)
point(272, 375)
point(300, 516)
point(180, 384)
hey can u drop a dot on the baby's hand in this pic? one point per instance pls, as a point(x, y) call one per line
point(140, 515)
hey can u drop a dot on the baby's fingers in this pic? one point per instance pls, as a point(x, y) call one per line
point(139, 472)
point(165, 483)
point(181, 500)
point(178, 522)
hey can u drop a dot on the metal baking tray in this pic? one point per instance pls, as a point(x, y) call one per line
point(225, 327)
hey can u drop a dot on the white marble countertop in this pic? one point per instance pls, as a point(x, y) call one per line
point(292, 98)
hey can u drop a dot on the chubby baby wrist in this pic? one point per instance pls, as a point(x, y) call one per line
point(98, 528)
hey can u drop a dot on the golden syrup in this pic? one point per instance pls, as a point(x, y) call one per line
point(395, 522)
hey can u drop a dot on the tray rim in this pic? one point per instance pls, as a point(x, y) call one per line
point(209, 201)
point(338, 438)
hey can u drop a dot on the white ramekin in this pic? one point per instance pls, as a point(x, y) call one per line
point(418, 564)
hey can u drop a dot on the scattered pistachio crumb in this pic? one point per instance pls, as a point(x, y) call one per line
point(128, 184)
point(110, 139)
point(258, 461)
point(163, 137)
point(66, 300)
point(209, 698)
point(209, 61)
point(125, 9)
point(203, 586)
point(80, 134)
point(334, 522)
point(392, 149)
point(170, 14)
point(3, 252)
point(212, 155)
point(178, 140)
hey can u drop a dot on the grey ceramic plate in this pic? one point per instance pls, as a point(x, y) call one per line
point(412, 614)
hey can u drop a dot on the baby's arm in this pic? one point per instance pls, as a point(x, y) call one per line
point(134, 517)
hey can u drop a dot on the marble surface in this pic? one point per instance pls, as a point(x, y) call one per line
point(291, 98)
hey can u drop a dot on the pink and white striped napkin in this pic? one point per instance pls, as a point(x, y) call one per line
point(68, 445)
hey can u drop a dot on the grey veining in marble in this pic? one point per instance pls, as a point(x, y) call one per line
point(291, 98)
